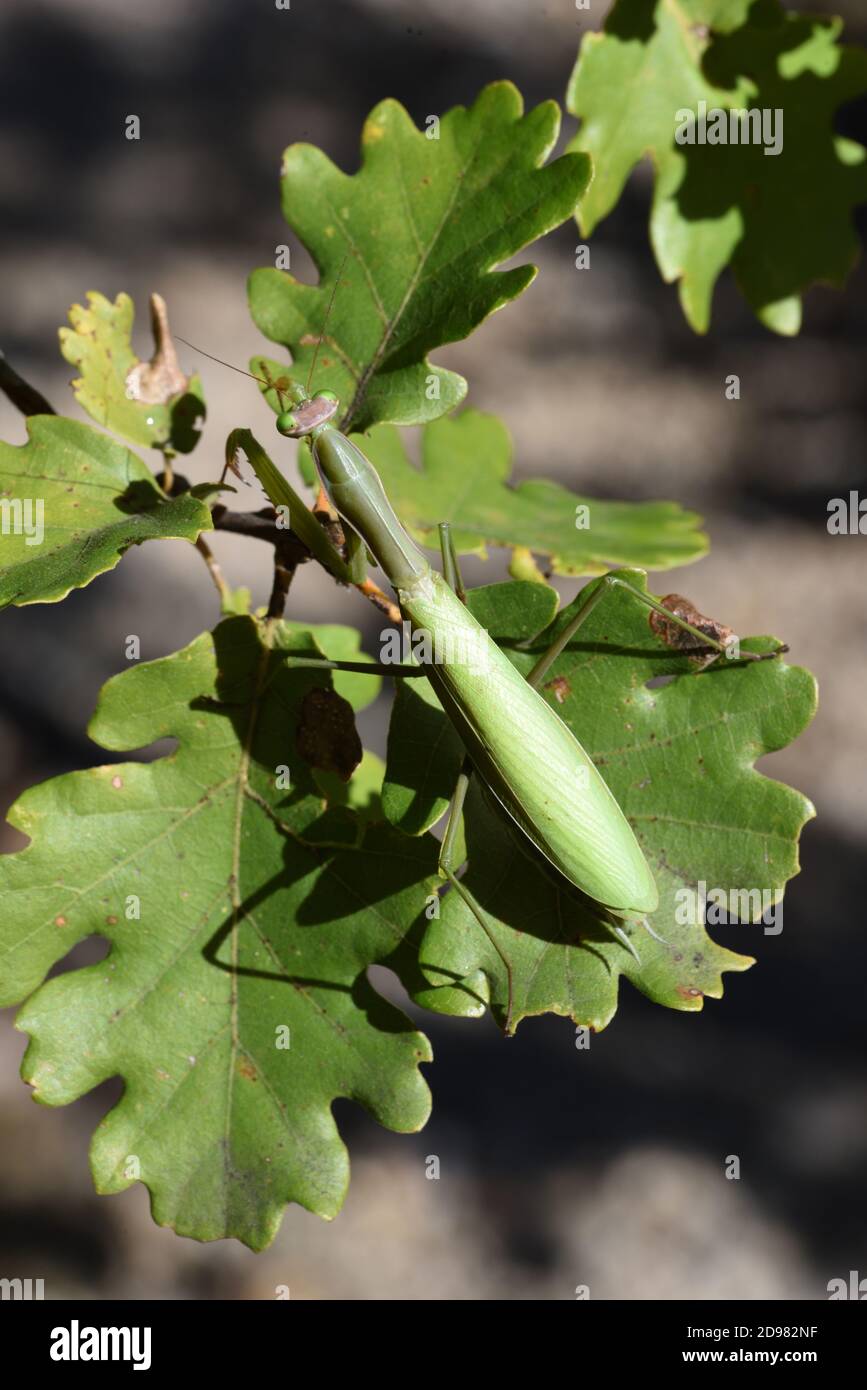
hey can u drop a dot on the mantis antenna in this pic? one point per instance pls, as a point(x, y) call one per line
point(325, 322)
point(266, 380)
point(223, 363)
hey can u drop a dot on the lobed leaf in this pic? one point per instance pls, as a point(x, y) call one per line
point(233, 1000)
point(95, 499)
point(726, 204)
point(464, 479)
point(406, 249)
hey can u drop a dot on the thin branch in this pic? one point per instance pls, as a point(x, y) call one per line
point(22, 395)
point(283, 576)
point(262, 526)
point(213, 569)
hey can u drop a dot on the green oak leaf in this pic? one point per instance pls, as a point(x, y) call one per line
point(233, 1001)
point(235, 602)
point(680, 758)
point(727, 204)
point(406, 249)
point(341, 643)
point(96, 499)
point(362, 793)
point(720, 15)
point(464, 479)
point(152, 404)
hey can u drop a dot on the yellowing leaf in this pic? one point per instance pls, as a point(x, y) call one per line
point(150, 403)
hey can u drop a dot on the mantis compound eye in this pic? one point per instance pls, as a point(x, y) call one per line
point(287, 423)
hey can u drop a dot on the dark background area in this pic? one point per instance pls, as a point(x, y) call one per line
point(559, 1167)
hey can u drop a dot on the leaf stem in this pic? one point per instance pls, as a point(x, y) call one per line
point(167, 479)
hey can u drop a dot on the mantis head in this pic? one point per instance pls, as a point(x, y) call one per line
point(308, 415)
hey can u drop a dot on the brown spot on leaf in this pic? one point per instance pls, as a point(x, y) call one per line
point(559, 688)
point(247, 1070)
point(327, 737)
point(117, 783)
point(60, 921)
point(111, 921)
point(689, 992)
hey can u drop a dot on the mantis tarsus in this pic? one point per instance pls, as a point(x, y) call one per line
point(526, 756)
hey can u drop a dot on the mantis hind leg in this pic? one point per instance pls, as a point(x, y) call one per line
point(451, 567)
point(447, 866)
point(606, 585)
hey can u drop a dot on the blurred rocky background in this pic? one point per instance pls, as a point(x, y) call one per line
point(559, 1167)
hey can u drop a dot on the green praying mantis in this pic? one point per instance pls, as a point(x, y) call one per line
point(529, 762)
